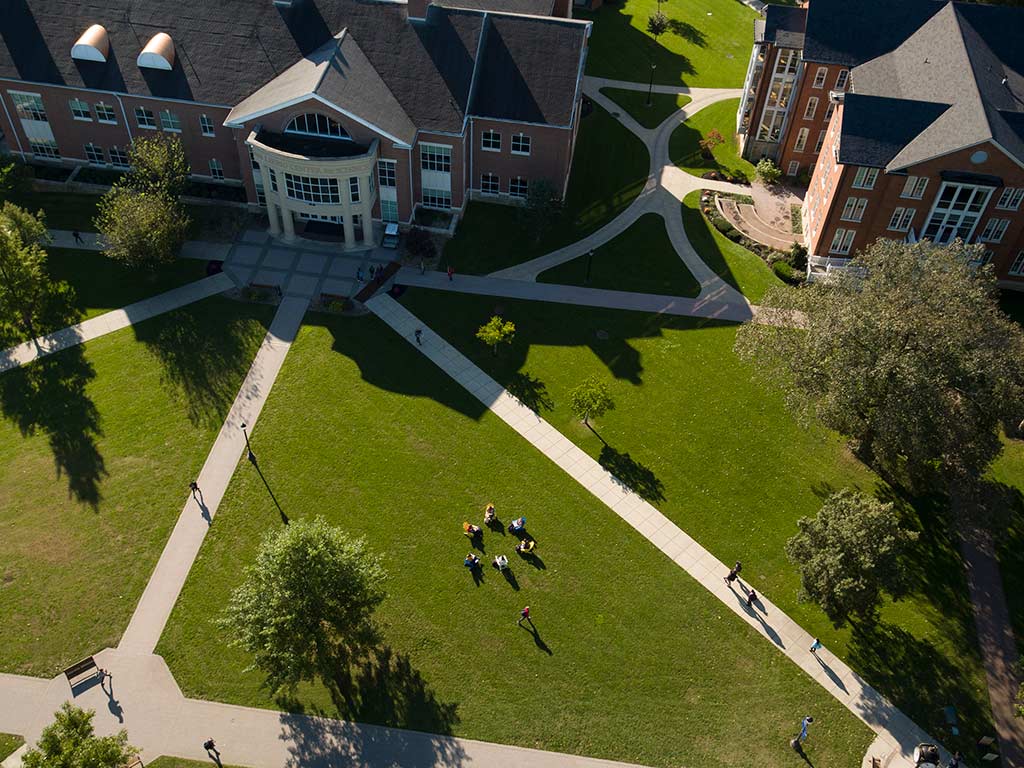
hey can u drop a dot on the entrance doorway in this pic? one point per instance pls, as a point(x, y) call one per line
point(319, 227)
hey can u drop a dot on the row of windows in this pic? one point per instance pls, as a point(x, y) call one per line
point(169, 121)
point(801, 140)
point(490, 141)
point(841, 79)
point(490, 184)
point(436, 157)
point(1017, 268)
point(311, 189)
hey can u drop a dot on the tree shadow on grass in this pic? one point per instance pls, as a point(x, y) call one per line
point(688, 32)
point(631, 474)
point(381, 688)
point(530, 391)
point(202, 354)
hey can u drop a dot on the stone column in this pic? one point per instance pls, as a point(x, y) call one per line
point(271, 197)
point(350, 231)
point(289, 223)
point(272, 214)
point(367, 212)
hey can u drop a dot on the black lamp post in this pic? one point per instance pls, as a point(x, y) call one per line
point(650, 88)
point(590, 263)
point(248, 448)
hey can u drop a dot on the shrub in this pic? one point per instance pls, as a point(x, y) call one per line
point(783, 270)
point(767, 171)
point(798, 256)
point(420, 244)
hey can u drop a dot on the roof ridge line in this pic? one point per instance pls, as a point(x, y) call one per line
point(485, 26)
point(975, 90)
point(338, 38)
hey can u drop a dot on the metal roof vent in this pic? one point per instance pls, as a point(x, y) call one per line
point(158, 53)
point(93, 45)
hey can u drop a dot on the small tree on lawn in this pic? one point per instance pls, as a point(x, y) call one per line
point(24, 284)
point(710, 141)
point(542, 207)
point(305, 606)
point(657, 23)
point(70, 742)
point(141, 228)
point(767, 171)
point(496, 331)
point(912, 357)
point(591, 398)
point(849, 554)
point(420, 244)
point(158, 164)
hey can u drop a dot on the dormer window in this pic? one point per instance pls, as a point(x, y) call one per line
point(93, 45)
point(313, 124)
point(158, 53)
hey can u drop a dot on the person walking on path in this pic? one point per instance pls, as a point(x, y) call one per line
point(78, 238)
point(211, 749)
point(196, 492)
point(451, 273)
point(734, 573)
point(815, 646)
point(419, 336)
point(803, 732)
point(524, 615)
point(751, 597)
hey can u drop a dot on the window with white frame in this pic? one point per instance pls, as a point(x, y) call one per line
point(118, 157)
point(914, 187)
point(80, 109)
point(1010, 198)
point(1017, 268)
point(105, 113)
point(994, 230)
point(865, 178)
point(261, 196)
point(311, 189)
point(353, 189)
point(206, 125)
point(314, 124)
point(144, 118)
point(94, 154)
point(490, 184)
point(520, 144)
point(842, 241)
point(780, 91)
point(811, 108)
point(389, 210)
point(801, 139)
point(386, 173)
point(829, 110)
point(517, 186)
point(956, 212)
point(901, 219)
point(820, 141)
point(170, 121)
point(216, 169)
point(794, 168)
point(490, 141)
point(29, 106)
point(436, 157)
point(819, 77)
point(273, 179)
point(854, 209)
point(437, 198)
point(842, 79)
point(44, 148)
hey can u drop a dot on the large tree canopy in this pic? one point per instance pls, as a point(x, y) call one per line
point(306, 602)
point(158, 164)
point(25, 286)
point(70, 742)
point(911, 356)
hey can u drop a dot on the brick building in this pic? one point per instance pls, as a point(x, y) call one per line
point(908, 118)
point(340, 112)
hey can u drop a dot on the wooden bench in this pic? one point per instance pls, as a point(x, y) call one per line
point(135, 762)
point(80, 671)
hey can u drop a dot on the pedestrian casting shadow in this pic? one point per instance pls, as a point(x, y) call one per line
point(631, 474)
point(799, 749)
point(533, 559)
point(204, 353)
point(538, 641)
point(831, 675)
point(752, 610)
point(530, 391)
point(478, 575)
point(49, 396)
point(496, 525)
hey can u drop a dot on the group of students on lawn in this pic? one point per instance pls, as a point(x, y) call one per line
point(524, 548)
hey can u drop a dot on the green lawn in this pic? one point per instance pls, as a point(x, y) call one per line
point(97, 446)
point(707, 45)
point(684, 146)
point(365, 431)
point(608, 172)
point(744, 270)
point(641, 259)
point(717, 453)
point(650, 115)
point(9, 743)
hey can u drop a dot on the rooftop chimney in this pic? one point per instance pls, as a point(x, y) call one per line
point(417, 9)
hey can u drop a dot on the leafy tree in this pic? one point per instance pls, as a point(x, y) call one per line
point(910, 355)
point(420, 244)
point(24, 284)
point(710, 141)
point(849, 554)
point(543, 207)
point(305, 606)
point(14, 179)
point(657, 23)
point(141, 228)
point(158, 164)
point(70, 742)
point(591, 398)
point(496, 331)
point(767, 171)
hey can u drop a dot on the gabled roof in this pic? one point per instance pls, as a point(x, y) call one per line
point(783, 18)
point(850, 32)
point(337, 72)
point(947, 64)
point(875, 129)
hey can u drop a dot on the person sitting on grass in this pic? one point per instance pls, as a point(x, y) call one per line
point(500, 562)
point(472, 561)
point(519, 524)
point(471, 530)
point(526, 546)
point(489, 514)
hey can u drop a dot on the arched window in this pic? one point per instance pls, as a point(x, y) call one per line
point(312, 124)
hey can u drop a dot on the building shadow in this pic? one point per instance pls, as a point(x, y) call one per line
point(631, 474)
point(530, 391)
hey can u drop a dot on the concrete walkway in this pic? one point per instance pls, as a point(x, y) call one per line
point(164, 586)
point(115, 320)
point(897, 734)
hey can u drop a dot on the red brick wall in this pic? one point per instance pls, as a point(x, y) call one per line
point(549, 158)
point(803, 93)
point(821, 192)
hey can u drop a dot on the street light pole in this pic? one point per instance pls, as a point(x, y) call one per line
point(248, 448)
point(590, 263)
point(650, 88)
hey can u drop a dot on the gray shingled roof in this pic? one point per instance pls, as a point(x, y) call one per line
point(785, 18)
point(229, 49)
point(947, 63)
point(850, 32)
point(875, 129)
point(529, 7)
